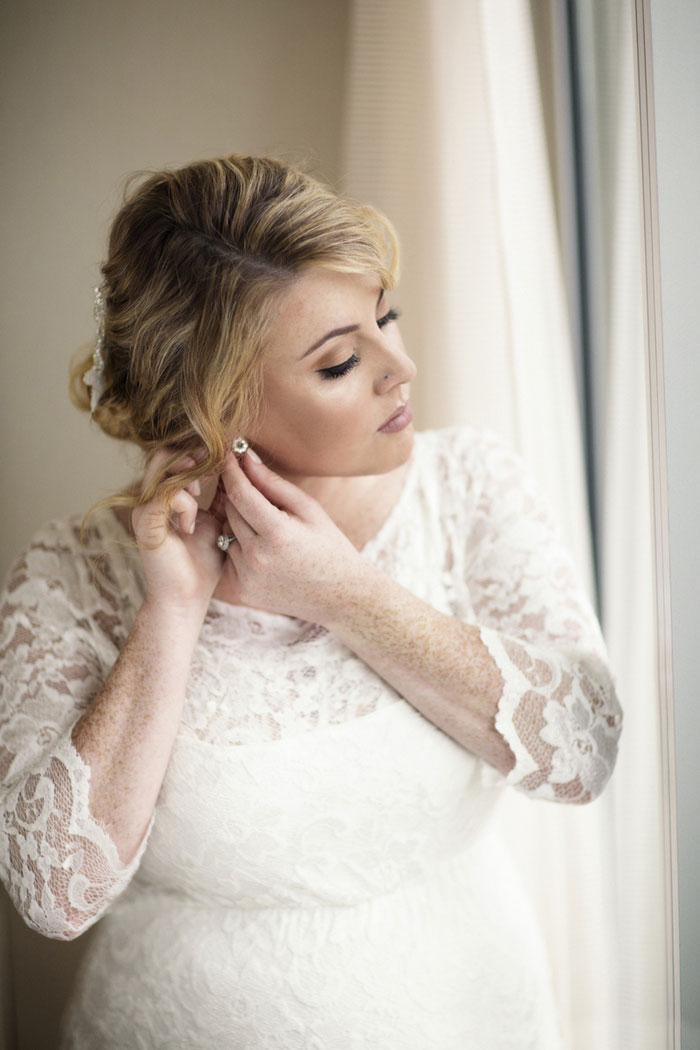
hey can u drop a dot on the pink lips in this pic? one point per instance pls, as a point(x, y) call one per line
point(398, 421)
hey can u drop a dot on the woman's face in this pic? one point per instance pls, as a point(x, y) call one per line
point(335, 371)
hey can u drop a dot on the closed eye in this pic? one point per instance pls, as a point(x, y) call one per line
point(391, 315)
point(335, 371)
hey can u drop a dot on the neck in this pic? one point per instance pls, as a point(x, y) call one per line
point(358, 505)
point(331, 490)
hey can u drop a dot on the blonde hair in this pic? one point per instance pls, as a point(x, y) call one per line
point(196, 258)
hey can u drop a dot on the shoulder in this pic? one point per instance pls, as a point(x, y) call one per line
point(474, 475)
point(63, 560)
point(466, 455)
point(61, 534)
point(51, 552)
point(461, 441)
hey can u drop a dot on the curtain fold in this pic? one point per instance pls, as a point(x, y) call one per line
point(613, 206)
point(445, 132)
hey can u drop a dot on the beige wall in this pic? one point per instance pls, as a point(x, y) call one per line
point(94, 91)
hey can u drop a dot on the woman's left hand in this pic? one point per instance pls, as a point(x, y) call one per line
point(288, 557)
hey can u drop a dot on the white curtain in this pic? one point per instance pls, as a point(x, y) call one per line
point(613, 203)
point(445, 132)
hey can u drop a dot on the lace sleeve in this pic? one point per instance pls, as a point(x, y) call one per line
point(59, 865)
point(558, 712)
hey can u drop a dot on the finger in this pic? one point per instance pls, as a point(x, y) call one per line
point(257, 510)
point(204, 484)
point(217, 507)
point(159, 466)
point(184, 507)
point(152, 521)
point(284, 494)
point(155, 465)
point(238, 525)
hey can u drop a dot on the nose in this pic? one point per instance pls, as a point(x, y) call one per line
point(395, 369)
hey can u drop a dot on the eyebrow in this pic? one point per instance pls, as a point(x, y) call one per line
point(337, 331)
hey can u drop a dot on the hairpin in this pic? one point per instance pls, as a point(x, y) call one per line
point(94, 378)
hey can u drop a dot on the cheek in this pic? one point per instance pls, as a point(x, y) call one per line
point(299, 420)
point(346, 407)
point(307, 424)
point(322, 405)
point(331, 418)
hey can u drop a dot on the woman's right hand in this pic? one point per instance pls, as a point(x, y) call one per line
point(177, 544)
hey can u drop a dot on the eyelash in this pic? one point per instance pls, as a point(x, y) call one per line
point(336, 371)
point(390, 315)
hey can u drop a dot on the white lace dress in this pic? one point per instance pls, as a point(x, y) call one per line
point(323, 869)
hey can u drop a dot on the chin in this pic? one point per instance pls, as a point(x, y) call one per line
point(397, 450)
point(386, 453)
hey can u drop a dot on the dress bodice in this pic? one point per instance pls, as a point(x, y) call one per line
point(330, 817)
point(322, 867)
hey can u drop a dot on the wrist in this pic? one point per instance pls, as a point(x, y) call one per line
point(181, 623)
point(352, 596)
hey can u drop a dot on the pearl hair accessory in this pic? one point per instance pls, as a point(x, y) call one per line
point(94, 378)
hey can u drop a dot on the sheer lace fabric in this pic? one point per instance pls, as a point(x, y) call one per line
point(301, 783)
point(59, 636)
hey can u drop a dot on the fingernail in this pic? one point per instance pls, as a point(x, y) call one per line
point(252, 454)
point(192, 527)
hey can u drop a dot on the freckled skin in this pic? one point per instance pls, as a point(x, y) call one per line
point(434, 661)
point(127, 734)
point(298, 528)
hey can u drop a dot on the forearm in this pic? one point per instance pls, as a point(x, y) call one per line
point(435, 661)
point(126, 735)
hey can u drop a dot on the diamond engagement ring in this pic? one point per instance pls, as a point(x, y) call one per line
point(225, 540)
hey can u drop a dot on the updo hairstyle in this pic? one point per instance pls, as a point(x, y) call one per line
point(197, 257)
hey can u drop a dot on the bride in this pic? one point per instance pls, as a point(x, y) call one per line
point(259, 711)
